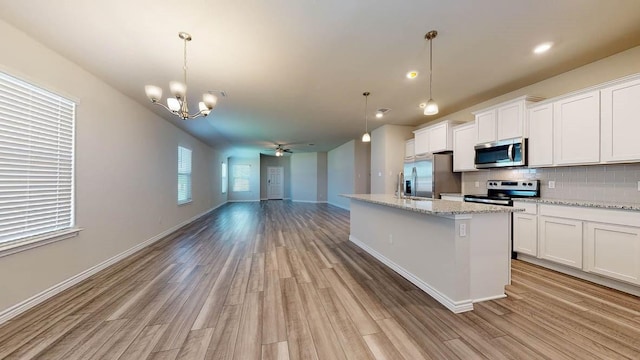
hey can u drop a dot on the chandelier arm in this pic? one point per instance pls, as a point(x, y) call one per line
point(164, 106)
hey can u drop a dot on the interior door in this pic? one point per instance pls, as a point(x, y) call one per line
point(275, 182)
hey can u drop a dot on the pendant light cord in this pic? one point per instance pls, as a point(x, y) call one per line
point(366, 121)
point(430, 66)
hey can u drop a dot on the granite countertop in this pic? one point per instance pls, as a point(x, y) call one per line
point(431, 206)
point(583, 203)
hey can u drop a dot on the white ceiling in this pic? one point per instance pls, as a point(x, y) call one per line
point(295, 71)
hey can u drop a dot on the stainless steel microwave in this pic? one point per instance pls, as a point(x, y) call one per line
point(503, 153)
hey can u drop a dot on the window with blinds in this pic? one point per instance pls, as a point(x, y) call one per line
point(36, 161)
point(241, 175)
point(184, 175)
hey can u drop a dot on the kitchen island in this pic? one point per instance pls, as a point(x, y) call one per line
point(457, 252)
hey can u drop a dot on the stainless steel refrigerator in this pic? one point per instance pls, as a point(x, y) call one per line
point(430, 175)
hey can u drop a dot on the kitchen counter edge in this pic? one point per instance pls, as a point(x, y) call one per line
point(431, 206)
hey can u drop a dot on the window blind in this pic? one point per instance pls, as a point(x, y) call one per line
point(184, 175)
point(224, 178)
point(241, 175)
point(36, 160)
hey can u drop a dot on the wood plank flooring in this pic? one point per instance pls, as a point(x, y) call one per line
point(279, 280)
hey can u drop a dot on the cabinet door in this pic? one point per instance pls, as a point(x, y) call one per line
point(613, 251)
point(421, 142)
point(541, 136)
point(440, 138)
point(576, 132)
point(409, 150)
point(510, 121)
point(560, 240)
point(525, 234)
point(620, 123)
point(486, 126)
point(464, 139)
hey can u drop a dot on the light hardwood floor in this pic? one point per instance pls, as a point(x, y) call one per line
point(279, 280)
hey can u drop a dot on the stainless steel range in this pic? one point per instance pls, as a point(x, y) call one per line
point(502, 192)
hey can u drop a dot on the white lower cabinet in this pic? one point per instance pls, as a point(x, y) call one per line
point(560, 240)
point(613, 251)
point(525, 234)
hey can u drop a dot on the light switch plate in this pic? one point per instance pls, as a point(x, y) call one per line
point(478, 183)
point(638, 185)
point(552, 184)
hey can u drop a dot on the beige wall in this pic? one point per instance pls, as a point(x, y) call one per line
point(387, 156)
point(304, 177)
point(340, 174)
point(126, 180)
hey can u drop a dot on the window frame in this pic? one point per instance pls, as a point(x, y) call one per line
point(38, 109)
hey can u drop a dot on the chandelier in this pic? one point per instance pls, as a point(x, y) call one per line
point(177, 105)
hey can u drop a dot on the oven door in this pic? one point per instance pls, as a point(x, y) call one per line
point(504, 153)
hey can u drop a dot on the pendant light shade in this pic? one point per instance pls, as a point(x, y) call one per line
point(431, 108)
point(366, 137)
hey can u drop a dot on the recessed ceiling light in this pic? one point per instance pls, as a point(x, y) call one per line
point(422, 105)
point(543, 48)
point(379, 114)
point(412, 74)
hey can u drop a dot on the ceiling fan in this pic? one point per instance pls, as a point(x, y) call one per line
point(280, 150)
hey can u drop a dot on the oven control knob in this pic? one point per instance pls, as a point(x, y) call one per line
point(530, 184)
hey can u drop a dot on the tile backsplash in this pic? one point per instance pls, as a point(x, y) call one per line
point(609, 183)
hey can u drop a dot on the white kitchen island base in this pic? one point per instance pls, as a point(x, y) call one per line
point(459, 257)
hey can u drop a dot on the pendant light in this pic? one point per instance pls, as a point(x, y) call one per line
point(366, 137)
point(431, 108)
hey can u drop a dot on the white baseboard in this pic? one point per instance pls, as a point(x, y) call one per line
point(309, 201)
point(454, 306)
point(256, 200)
point(15, 310)
point(594, 278)
point(340, 206)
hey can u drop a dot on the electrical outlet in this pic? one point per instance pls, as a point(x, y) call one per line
point(391, 239)
point(463, 230)
point(477, 183)
point(638, 185)
point(552, 184)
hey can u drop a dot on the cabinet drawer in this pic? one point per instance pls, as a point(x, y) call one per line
point(529, 208)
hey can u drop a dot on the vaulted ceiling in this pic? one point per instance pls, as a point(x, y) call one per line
point(295, 71)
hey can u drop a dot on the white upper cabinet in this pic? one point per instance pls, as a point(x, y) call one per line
point(409, 149)
point(464, 139)
point(486, 126)
point(435, 138)
point(620, 122)
point(576, 121)
point(510, 121)
point(540, 135)
point(503, 121)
